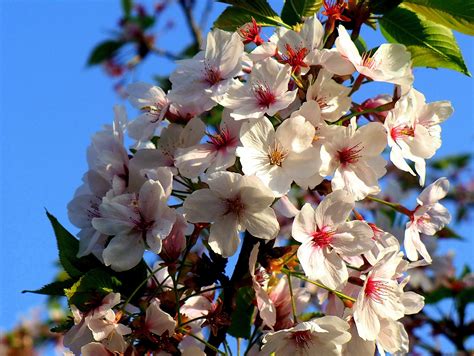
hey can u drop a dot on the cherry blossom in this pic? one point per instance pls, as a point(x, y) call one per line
point(428, 217)
point(324, 335)
point(136, 222)
point(234, 203)
point(278, 157)
point(353, 157)
point(265, 92)
point(325, 237)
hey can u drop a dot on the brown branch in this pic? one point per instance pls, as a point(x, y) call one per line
point(192, 24)
point(230, 291)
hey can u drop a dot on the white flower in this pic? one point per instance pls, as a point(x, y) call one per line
point(332, 98)
point(380, 297)
point(217, 154)
point(265, 92)
point(326, 237)
point(278, 158)
point(233, 203)
point(157, 321)
point(413, 131)
point(136, 222)
point(354, 157)
point(322, 336)
point(428, 218)
point(390, 63)
point(172, 137)
point(209, 74)
point(107, 329)
point(152, 101)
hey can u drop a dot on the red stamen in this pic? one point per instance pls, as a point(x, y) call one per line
point(301, 338)
point(211, 75)
point(264, 95)
point(376, 290)
point(295, 57)
point(334, 9)
point(222, 139)
point(349, 155)
point(399, 132)
point(323, 237)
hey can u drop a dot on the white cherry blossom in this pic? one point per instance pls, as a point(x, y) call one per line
point(265, 92)
point(278, 157)
point(234, 203)
point(326, 237)
point(137, 222)
point(428, 218)
point(321, 336)
point(353, 156)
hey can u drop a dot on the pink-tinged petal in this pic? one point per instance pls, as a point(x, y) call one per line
point(413, 302)
point(353, 238)
point(334, 209)
point(224, 235)
point(366, 319)
point(157, 321)
point(94, 349)
point(225, 184)
point(124, 252)
point(151, 199)
point(374, 138)
point(322, 265)
point(254, 194)
point(295, 134)
point(413, 244)
point(262, 224)
point(285, 207)
point(304, 224)
point(110, 226)
point(197, 306)
point(193, 161)
point(204, 197)
point(346, 47)
point(434, 192)
point(258, 134)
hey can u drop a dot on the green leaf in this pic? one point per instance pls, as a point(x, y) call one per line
point(242, 315)
point(455, 14)
point(54, 288)
point(294, 10)
point(382, 6)
point(431, 45)
point(242, 12)
point(310, 315)
point(448, 233)
point(131, 279)
point(68, 247)
point(455, 161)
point(438, 295)
point(91, 288)
point(127, 7)
point(104, 51)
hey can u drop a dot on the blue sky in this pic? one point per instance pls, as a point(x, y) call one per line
point(51, 104)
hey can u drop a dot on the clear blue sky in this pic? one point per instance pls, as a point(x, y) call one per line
point(51, 104)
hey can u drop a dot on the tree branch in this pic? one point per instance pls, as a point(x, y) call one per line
point(192, 24)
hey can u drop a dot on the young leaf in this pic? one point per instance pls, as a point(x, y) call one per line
point(104, 51)
point(242, 12)
point(242, 315)
point(54, 288)
point(92, 287)
point(68, 246)
point(455, 14)
point(294, 10)
point(431, 45)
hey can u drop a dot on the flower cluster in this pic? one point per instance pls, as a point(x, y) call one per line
point(290, 146)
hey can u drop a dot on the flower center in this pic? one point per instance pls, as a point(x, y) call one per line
point(295, 57)
point(301, 338)
point(222, 139)
point(277, 154)
point(322, 102)
point(333, 9)
point(399, 132)
point(323, 237)
point(368, 61)
point(376, 290)
point(264, 95)
point(349, 155)
point(212, 75)
point(234, 206)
